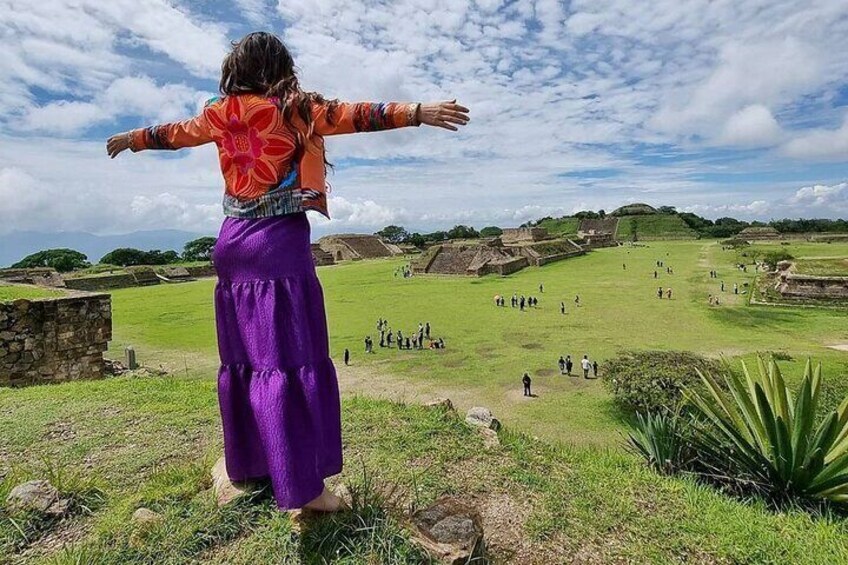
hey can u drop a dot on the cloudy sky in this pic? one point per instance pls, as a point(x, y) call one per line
point(722, 107)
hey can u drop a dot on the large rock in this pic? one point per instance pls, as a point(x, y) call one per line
point(144, 516)
point(450, 531)
point(37, 496)
point(482, 417)
point(443, 403)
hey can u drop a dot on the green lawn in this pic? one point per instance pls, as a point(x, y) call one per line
point(565, 226)
point(654, 226)
point(14, 292)
point(489, 348)
point(123, 443)
point(823, 266)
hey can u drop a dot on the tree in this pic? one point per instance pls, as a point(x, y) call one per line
point(667, 210)
point(127, 256)
point(491, 231)
point(463, 232)
point(124, 256)
point(199, 249)
point(393, 234)
point(416, 239)
point(63, 260)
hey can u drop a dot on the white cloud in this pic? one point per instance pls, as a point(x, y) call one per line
point(753, 125)
point(556, 89)
point(820, 144)
point(823, 196)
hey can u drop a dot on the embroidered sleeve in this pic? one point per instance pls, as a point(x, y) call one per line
point(188, 133)
point(345, 117)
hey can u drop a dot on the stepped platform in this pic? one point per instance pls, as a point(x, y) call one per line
point(352, 247)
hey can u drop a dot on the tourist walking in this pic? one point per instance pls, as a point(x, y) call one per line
point(561, 365)
point(347, 356)
point(595, 368)
point(722, 286)
point(562, 307)
point(660, 293)
point(541, 288)
point(586, 366)
point(577, 300)
point(735, 288)
point(526, 380)
point(427, 330)
point(668, 293)
point(277, 386)
point(569, 365)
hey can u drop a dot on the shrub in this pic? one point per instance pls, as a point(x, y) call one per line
point(760, 435)
point(772, 258)
point(663, 440)
point(650, 381)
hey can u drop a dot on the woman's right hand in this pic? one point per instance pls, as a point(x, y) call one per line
point(443, 114)
point(117, 143)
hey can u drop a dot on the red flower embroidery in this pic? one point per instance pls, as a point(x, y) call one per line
point(253, 145)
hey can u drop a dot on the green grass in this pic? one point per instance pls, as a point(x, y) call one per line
point(14, 292)
point(153, 440)
point(489, 348)
point(149, 441)
point(565, 226)
point(654, 227)
point(823, 266)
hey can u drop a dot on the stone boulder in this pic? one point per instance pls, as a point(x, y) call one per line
point(145, 516)
point(444, 403)
point(450, 530)
point(37, 496)
point(482, 417)
point(225, 490)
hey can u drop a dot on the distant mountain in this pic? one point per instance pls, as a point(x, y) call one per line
point(17, 245)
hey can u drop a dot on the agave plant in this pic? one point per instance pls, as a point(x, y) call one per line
point(758, 430)
point(661, 439)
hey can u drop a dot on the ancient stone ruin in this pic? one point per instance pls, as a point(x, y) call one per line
point(758, 233)
point(348, 247)
point(321, 257)
point(596, 233)
point(54, 339)
point(516, 249)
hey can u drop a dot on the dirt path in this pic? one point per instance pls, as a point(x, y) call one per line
point(375, 380)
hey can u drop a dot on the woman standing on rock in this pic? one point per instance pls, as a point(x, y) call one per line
point(277, 386)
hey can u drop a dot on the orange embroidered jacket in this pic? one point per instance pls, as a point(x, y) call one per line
point(257, 149)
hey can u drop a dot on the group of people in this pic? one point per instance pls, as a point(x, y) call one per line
point(666, 292)
point(517, 301)
point(414, 340)
point(566, 365)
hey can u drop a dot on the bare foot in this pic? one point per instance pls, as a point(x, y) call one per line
point(326, 502)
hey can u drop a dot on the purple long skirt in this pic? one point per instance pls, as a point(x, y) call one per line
point(277, 386)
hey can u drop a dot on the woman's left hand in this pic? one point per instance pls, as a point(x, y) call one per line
point(443, 114)
point(117, 143)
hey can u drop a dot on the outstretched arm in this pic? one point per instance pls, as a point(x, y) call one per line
point(334, 118)
point(188, 133)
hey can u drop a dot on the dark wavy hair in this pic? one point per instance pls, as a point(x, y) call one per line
point(259, 63)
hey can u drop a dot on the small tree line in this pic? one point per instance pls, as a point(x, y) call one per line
point(400, 235)
point(65, 260)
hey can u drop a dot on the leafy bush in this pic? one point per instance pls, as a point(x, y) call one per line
point(772, 258)
point(663, 439)
point(758, 434)
point(651, 381)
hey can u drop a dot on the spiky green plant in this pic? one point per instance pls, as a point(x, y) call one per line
point(761, 433)
point(662, 440)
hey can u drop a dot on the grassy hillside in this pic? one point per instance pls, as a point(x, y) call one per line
point(153, 440)
point(565, 226)
point(654, 227)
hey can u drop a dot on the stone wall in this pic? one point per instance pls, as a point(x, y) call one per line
point(791, 285)
point(41, 276)
point(101, 282)
point(54, 339)
point(520, 235)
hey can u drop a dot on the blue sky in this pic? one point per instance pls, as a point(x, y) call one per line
point(718, 107)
